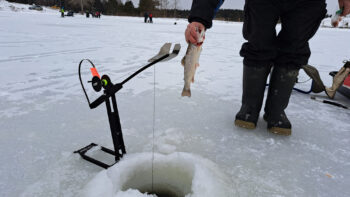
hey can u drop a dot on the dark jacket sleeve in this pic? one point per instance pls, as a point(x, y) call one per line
point(204, 11)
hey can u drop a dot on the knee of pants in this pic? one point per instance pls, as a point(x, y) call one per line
point(254, 56)
point(289, 56)
point(298, 28)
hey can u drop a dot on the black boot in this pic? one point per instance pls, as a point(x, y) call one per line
point(254, 82)
point(281, 85)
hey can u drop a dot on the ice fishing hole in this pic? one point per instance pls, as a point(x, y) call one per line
point(174, 175)
point(169, 180)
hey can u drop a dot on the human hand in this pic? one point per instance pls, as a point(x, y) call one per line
point(345, 4)
point(191, 34)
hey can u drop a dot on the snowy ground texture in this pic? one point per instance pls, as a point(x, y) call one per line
point(44, 115)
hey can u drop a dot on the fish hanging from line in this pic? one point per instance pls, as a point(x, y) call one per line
point(191, 62)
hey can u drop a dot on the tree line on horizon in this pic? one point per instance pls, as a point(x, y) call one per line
point(158, 8)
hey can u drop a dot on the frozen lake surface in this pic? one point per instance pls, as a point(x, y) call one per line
point(44, 115)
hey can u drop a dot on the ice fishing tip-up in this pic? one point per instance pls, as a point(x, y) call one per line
point(108, 96)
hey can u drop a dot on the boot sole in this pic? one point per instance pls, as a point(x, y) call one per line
point(280, 131)
point(245, 124)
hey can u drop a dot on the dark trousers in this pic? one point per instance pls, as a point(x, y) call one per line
point(299, 19)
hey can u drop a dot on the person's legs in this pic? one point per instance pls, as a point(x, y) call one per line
point(254, 82)
point(259, 30)
point(299, 24)
point(260, 19)
point(281, 85)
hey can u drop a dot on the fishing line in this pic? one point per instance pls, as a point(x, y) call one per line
point(154, 118)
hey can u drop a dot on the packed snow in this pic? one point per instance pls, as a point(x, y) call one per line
point(44, 115)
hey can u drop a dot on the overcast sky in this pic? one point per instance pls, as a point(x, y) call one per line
point(234, 4)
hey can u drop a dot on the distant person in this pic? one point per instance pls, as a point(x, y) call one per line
point(62, 12)
point(98, 14)
point(87, 14)
point(150, 17)
point(146, 17)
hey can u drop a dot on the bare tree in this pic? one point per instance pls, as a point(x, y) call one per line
point(164, 5)
point(148, 5)
point(82, 3)
point(175, 7)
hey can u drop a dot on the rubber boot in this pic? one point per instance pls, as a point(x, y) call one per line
point(281, 85)
point(254, 83)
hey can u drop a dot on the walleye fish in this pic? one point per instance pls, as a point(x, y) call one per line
point(190, 63)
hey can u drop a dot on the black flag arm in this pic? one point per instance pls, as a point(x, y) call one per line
point(163, 55)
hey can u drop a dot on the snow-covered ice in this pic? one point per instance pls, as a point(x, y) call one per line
point(44, 115)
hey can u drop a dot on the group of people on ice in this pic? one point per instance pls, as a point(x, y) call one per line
point(267, 52)
point(148, 17)
point(96, 14)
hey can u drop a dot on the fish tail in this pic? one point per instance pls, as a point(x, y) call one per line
point(186, 92)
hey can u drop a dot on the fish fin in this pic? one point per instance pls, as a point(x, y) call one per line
point(183, 61)
point(197, 65)
point(186, 92)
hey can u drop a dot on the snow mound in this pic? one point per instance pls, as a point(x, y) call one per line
point(176, 175)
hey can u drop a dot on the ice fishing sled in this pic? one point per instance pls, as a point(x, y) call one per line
point(341, 81)
point(341, 84)
point(108, 96)
point(344, 89)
